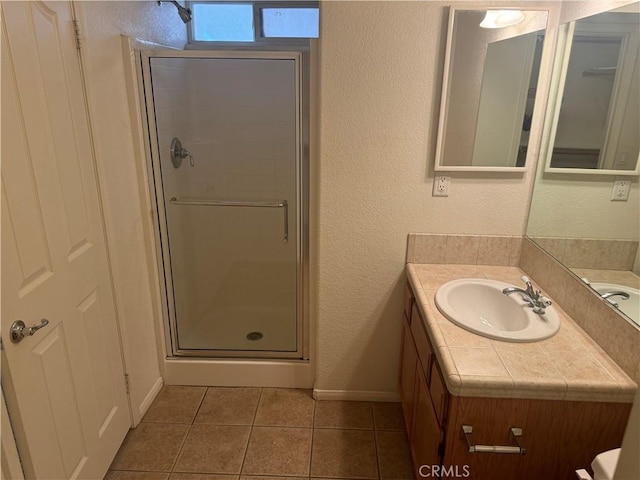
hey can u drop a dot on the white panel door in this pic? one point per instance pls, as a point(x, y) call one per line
point(65, 385)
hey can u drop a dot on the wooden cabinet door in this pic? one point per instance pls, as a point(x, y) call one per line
point(408, 365)
point(427, 435)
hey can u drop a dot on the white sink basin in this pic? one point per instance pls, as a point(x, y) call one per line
point(479, 306)
point(630, 306)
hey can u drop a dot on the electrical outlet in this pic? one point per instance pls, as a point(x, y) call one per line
point(441, 186)
point(620, 192)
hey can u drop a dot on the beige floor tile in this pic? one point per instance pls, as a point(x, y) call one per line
point(388, 416)
point(245, 477)
point(229, 406)
point(338, 414)
point(394, 457)
point(213, 449)
point(344, 454)
point(278, 451)
point(121, 475)
point(201, 476)
point(150, 447)
point(285, 407)
point(175, 404)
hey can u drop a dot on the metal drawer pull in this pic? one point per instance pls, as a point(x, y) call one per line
point(19, 329)
point(516, 433)
point(283, 204)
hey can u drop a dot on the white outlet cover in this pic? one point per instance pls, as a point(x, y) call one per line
point(441, 186)
point(620, 191)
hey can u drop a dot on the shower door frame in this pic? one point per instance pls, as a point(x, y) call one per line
point(156, 192)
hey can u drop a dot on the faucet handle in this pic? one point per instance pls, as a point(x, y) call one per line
point(545, 301)
point(526, 280)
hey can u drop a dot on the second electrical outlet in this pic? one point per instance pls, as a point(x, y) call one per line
point(441, 186)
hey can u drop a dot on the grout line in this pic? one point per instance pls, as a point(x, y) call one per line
point(246, 448)
point(375, 441)
point(373, 417)
point(173, 465)
point(206, 390)
point(175, 461)
point(136, 470)
point(313, 432)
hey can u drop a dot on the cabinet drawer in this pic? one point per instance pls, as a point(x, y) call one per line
point(425, 353)
point(408, 302)
point(439, 393)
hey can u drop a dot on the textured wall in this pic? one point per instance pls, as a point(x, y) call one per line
point(101, 24)
point(580, 206)
point(380, 77)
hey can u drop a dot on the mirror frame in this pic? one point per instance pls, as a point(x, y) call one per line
point(540, 100)
point(557, 83)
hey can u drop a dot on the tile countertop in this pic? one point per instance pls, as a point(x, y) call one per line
point(567, 366)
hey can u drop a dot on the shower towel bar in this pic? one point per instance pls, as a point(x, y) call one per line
point(283, 204)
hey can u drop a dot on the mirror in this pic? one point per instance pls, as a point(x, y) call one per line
point(574, 218)
point(595, 120)
point(489, 90)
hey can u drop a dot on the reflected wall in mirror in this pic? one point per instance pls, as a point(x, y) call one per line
point(573, 217)
point(596, 107)
point(489, 91)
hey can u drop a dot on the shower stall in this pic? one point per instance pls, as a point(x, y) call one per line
point(229, 172)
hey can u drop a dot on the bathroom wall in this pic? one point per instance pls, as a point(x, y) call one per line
point(380, 78)
point(121, 173)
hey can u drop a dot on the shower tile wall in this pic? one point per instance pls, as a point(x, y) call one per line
point(243, 147)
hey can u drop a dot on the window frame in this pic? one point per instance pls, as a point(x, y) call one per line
point(259, 38)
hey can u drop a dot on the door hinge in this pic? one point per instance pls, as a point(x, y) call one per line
point(76, 31)
point(127, 383)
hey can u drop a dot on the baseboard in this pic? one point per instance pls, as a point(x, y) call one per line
point(148, 400)
point(356, 395)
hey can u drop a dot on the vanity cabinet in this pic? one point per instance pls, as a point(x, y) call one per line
point(424, 412)
point(559, 436)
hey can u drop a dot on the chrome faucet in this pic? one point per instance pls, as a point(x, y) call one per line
point(613, 293)
point(533, 297)
point(624, 295)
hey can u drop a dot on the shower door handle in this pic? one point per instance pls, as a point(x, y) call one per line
point(203, 203)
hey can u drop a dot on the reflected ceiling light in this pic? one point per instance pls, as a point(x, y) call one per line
point(501, 18)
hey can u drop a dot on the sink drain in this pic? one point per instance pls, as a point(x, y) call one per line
point(254, 336)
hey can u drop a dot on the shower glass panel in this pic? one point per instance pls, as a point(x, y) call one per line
point(231, 205)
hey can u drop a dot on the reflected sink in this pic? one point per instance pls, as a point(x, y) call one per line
point(479, 306)
point(630, 306)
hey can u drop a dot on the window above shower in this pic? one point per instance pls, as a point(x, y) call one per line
point(253, 22)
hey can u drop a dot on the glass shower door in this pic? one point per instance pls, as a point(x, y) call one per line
point(229, 192)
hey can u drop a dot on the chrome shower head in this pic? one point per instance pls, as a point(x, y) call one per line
point(185, 13)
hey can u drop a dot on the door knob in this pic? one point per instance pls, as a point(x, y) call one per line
point(19, 329)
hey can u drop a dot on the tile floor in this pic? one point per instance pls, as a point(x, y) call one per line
point(215, 433)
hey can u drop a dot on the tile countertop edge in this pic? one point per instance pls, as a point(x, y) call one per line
point(621, 390)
